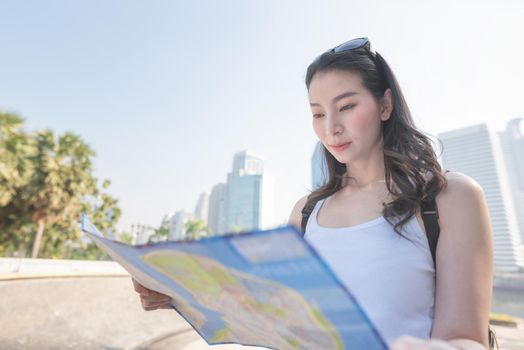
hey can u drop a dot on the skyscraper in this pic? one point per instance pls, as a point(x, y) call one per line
point(177, 229)
point(141, 233)
point(248, 163)
point(217, 209)
point(202, 207)
point(512, 142)
point(475, 151)
point(249, 194)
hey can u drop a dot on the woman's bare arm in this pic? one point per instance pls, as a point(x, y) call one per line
point(464, 264)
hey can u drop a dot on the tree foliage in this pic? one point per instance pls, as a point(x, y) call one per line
point(161, 233)
point(196, 229)
point(46, 181)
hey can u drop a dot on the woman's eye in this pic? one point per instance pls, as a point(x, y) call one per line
point(347, 107)
point(318, 115)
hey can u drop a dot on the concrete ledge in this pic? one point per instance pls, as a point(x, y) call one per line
point(57, 266)
point(80, 313)
point(25, 276)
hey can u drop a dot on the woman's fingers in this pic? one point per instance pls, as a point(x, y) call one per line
point(140, 288)
point(143, 291)
point(411, 343)
point(148, 304)
point(154, 301)
point(150, 299)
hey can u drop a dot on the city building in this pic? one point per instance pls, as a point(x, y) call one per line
point(476, 152)
point(141, 233)
point(177, 227)
point(248, 163)
point(244, 202)
point(512, 142)
point(249, 194)
point(202, 207)
point(216, 221)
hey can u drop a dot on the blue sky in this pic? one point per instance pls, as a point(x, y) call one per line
point(166, 92)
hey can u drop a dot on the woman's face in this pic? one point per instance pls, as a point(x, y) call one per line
point(346, 113)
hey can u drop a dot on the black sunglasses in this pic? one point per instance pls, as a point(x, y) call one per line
point(353, 44)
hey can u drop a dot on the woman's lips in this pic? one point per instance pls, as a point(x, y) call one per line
point(341, 147)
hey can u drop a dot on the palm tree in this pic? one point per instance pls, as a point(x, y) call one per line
point(196, 229)
point(15, 167)
point(45, 183)
point(61, 179)
point(15, 171)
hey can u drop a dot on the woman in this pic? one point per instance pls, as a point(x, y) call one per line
point(366, 219)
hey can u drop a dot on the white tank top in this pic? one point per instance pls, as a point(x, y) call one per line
point(392, 278)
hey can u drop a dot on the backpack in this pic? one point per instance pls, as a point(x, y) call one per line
point(430, 218)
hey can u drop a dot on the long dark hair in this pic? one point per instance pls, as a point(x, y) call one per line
point(412, 172)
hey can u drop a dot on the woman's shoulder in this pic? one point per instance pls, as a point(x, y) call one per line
point(296, 213)
point(460, 199)
point(458, 185)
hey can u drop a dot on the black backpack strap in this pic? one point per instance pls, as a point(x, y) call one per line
point(306, 212)
point(430, 218)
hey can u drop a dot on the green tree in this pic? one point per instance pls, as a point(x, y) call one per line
point(45, 184)
point(16, 148)
point(87, 251)
point(126, 237)
point(103, 211)
point(238, 229)
point(195, 229)
point(15, 168)
point(162, 232)
point(62, 178)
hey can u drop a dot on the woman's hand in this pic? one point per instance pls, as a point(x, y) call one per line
point(150, 299)
point(411, 343)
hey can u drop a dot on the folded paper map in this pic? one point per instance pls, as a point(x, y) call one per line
point(262, 288)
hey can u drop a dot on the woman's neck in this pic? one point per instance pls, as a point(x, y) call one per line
point(361, 174)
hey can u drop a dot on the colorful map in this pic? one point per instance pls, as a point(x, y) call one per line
point(264, 288)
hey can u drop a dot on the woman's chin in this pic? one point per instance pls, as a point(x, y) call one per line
point(343, 160)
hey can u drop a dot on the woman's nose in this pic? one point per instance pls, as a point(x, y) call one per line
point(333, 125)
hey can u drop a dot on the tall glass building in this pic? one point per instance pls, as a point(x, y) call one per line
point(216, 220)
point(249, 194)
point(512, 141)
point(476, 152)
point(202, 207)
point(177, 226)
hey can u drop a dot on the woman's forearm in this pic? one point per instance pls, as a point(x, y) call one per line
point(466, 344)
point(412, 343)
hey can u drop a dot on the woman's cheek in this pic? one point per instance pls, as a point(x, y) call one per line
point(360, 123)
point(317, 128)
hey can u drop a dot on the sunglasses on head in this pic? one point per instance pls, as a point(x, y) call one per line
point(360, 43)
point(353, 44)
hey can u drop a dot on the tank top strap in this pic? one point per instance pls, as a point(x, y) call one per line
point(312, 220)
